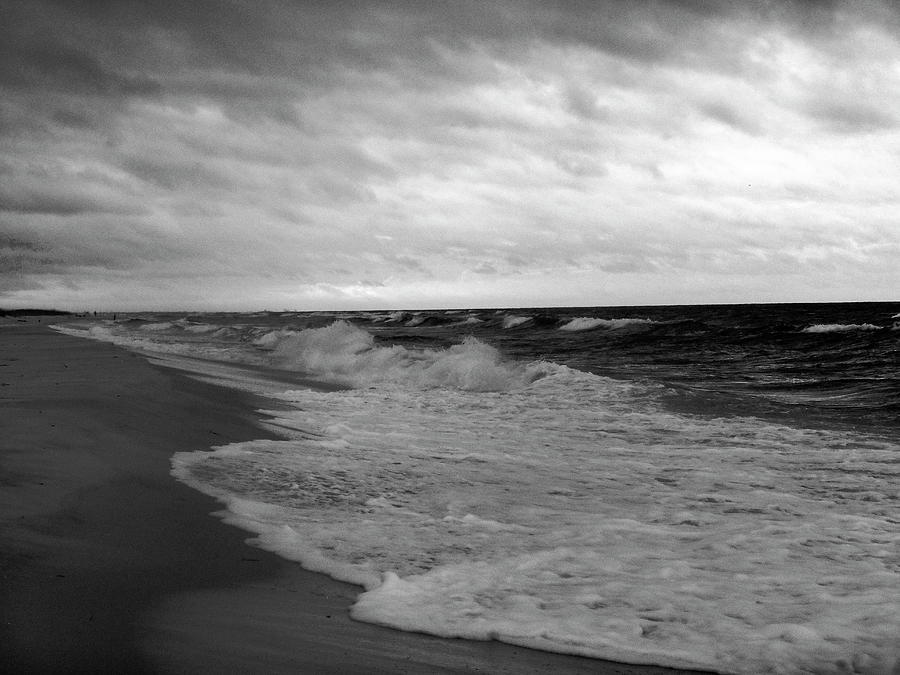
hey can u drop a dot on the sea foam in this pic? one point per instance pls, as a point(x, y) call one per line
point(344, 353)
point(544, 506)
point(588, 323)
point(158, 326)
point(839, 327)
point(573, 514)
point(514, 321)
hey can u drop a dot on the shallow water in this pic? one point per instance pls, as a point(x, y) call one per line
point(709, 487)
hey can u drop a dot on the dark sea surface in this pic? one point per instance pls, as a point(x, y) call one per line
point(809, 363)
point(701, 486)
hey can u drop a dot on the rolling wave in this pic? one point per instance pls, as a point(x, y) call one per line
point(840, 327)
point(589, 323)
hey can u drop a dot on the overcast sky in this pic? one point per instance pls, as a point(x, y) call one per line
point(312, 155)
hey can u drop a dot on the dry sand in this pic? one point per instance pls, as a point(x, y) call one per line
point(110, 565)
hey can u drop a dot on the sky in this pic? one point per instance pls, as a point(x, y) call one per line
point(266, 154)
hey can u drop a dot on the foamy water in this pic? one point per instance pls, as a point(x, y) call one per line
point(839, 327)
point(476, 496)
point(589, 323)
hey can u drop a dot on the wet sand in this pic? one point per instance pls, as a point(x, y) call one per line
point(110, 565)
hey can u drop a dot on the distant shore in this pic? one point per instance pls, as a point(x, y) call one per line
point(110, 565)
point(32, 312)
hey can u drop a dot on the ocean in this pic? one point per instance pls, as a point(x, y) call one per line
point(711, 487)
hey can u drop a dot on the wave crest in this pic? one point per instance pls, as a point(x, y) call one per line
point(513, 321)
point(159, 326)
point(839, 327)
point(349, 355)
point(587, 323)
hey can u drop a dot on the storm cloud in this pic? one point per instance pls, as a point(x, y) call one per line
point(311, 155)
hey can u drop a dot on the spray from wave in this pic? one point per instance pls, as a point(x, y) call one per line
point(349, 355)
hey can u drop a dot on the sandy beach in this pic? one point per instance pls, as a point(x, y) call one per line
point(110, 565)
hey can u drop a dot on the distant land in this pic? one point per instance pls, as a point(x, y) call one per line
point(33, 312)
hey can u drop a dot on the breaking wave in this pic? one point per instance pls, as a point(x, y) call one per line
point(513, 321)
point(347, 354)
point(161, 326)
point(588, 323)
point(839, 327)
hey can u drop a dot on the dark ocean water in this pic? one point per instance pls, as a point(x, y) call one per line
point(809, 363)
point(701, 486)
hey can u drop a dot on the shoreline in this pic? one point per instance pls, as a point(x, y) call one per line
point(110, 564)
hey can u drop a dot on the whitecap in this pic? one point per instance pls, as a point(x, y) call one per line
point(161, 326)
point(347, 354)
point(513, 321)
point(587, 323)
point(839, 327)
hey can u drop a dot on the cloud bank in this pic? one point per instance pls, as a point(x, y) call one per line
point(290, 155)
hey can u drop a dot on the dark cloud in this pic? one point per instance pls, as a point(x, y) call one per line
point(405, 262)
point(854, 117)
point(49, 48)
point(300, 40)
point(21, 255)
point(58, 72)
point(64, 69)
point(738, 118)
point(485, 268)
point(583, 103)
point(73, 119)
point(335, 187)
point(66, 246)
point(62, 200)
point(256, 57)
point(172, 174)
point(16, 282)
point(53, 186)
point(275, 137)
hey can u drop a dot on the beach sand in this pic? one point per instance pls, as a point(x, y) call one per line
point(110, 565)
